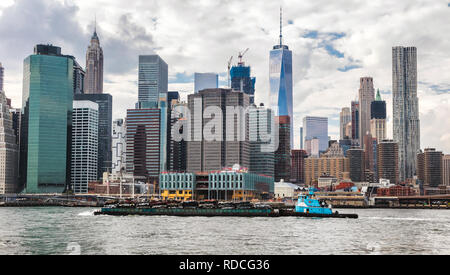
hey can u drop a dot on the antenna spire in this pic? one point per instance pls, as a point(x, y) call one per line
point(281, 26)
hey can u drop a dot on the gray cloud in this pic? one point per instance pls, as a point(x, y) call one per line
point(201, 36)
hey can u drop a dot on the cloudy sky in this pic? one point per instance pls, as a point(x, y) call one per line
point(334, 43)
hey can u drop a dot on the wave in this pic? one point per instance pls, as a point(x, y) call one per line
point(87, 213)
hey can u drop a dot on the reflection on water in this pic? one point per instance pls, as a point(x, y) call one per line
point(78, 231)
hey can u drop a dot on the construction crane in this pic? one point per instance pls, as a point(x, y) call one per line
point(229, 68)
point(241, 54)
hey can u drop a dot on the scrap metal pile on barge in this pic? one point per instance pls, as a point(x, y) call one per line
point(307, 206)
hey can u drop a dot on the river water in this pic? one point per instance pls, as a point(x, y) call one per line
point(77, 231)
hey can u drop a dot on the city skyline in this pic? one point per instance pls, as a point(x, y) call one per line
point(321, 54)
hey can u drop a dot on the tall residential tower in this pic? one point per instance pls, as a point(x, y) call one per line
point(405, 108)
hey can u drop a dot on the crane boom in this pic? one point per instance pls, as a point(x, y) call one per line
point(228, 72)
point(241, 55)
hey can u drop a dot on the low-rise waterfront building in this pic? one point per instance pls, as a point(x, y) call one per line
point(285, 190)
point(232, 184)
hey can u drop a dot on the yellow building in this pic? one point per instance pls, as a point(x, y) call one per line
point(315, 167)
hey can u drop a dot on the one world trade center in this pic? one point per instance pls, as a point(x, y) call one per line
point(281, 81)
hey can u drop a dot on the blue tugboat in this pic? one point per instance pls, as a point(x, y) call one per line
point(308, 204)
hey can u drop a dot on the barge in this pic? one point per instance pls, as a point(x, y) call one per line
point(307, 206)
point(181, 212)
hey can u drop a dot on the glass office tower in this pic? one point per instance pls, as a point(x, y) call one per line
point(316, 128)
point(153, 78)
point(205, 81)
point(47, 120)
point(281, 85)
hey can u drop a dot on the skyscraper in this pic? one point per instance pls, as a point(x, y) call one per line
point(387, 161)
point(446, 170)
point(355, 121)
point(301, 138)
point(153, 78)
point(241, 80)
point(118, 147)
point(94, 67)
point(281, 86)
point(345, 118)
point(283, 153)
point(429, 168)
point(205, 81)
point(378, 118)
point(79, 76)
point(406, 108)
point(370, 155)
point(9, 151)
point(143, 143)
point(356, 161)
point(260, 124)
point(104, 102)
point(366, 96)
point(84, 145)
point(298, 166)
point(2, 71)
point(178, 148)
point(316, 127)
point(46, 126)
point(228, 148)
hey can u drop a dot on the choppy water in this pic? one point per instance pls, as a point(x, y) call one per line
point(76, 230)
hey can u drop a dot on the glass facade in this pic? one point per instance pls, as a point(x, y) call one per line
point(242, 81)
point(205, 81)
point(316, 127)
point(47, 123)
point(143, 142)
point(153, 78)
point(262, 157)
point(281, 87)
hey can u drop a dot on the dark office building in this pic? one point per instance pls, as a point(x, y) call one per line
point(378, 109)
point(387, 161)
point(298, 166)
point(104, 102)
point(429, 167)
point(143, 143)
point(355, 120)
point(283, 154)
point(177, 150)
point(78, 78)
point(356, 159)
